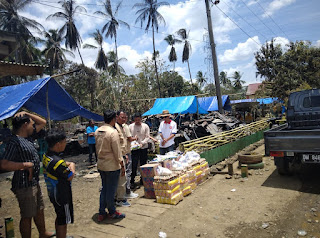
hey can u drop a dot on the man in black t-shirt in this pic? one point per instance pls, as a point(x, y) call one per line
point(20, 153)
point(58, 175)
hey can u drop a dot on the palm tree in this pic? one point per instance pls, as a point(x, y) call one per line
point(102, 60)
point(112, 25)
point(201, 79)
point(148, 11)
point(224, 80)
point(237, 83)
point(53, 51)
point(186, 48)
point(72, 35)
point(114, 66)
point(171, 40)
point(12, 21)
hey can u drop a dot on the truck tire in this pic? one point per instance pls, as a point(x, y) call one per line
point(282, 171)
point(250, 158)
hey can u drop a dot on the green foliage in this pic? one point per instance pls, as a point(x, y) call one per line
point(148, 11)
point(81, 85)
point(69, 30)
point(102, 60)
point(53, 52)
point(286, 71)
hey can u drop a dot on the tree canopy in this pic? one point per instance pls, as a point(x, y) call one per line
point(286, 70)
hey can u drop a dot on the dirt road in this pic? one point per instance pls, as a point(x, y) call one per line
point(264, 205)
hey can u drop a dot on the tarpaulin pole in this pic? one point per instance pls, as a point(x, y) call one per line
point(47, 103)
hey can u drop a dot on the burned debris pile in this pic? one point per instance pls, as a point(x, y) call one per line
point(206, 125)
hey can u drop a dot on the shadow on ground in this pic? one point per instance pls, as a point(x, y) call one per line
point(306, 180)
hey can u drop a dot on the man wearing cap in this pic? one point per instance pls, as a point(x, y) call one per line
point(167, 130)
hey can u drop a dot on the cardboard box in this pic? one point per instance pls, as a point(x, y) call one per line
point(149, 170)
point(149, 193)
point(148, 182)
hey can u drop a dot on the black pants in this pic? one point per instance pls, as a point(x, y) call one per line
point(138, 155)
point(92, 149)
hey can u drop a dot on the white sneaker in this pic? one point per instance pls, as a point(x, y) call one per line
point(123, 203)
point(131, 195)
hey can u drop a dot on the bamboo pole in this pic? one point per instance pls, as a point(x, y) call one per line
point(222, 138)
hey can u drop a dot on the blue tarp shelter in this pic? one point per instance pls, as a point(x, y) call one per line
point(180, 105)
point(266, 100)
point(32, 96)
point(211, 103)
point(259, 100)
point(242, 101)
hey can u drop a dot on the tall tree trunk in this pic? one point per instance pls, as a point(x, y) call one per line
point(189, 71)
point(155, 62)
point(80, 55)
point(117, 61)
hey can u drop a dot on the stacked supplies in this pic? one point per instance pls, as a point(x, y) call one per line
point(202, 171)
point(184, 184)
point(167, 189)
point(148, 172)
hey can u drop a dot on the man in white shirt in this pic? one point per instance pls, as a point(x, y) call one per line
point(167, 130)
point(141, 132)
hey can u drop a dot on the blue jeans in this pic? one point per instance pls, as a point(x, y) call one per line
point(92, 149)
point(167, 149)
point(109, 181)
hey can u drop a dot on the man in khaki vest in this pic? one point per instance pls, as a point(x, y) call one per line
point(110, 165)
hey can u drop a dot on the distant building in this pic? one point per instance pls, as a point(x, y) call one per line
point(252, 89)
point(8, 44)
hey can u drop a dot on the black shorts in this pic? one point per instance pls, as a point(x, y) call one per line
point(64, 212)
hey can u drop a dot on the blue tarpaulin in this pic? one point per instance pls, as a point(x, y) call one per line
point(266, 100)
point(242, 101)
point(32, 96)
point(180, 105)
point(259, 100)
point(211, 103)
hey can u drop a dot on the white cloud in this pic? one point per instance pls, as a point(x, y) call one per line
point(183, 71)
point(133, 57)
point(317, 43)
point(248, 72)
point(276, 5)
point(252, 2)
point(192, 16)
point(242, 51)
point(283, 42)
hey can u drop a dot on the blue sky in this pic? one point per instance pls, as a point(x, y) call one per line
point(240, 28)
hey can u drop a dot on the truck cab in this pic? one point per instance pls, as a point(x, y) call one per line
point(297, 141)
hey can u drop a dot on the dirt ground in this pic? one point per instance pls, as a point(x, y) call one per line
point(264, 205)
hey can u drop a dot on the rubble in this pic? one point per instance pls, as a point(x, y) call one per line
point(206, 125)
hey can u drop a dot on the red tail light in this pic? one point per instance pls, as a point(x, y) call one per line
point(277, 153)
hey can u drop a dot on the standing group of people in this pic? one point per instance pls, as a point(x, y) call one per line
point(116, 163)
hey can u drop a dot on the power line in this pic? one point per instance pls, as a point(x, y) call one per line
point(272, 19)
point(258, 18)
point(101, 5)
point(86, 14)
point(238, 26)
point(245, 20)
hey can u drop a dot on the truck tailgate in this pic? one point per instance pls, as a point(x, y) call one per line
point(281, 139)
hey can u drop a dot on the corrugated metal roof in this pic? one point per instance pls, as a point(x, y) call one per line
point(16, 69)
point(252, 88)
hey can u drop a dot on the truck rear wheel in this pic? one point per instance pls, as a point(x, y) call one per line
point(283, 166)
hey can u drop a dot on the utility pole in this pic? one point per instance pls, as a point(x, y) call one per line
point(214, 57)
